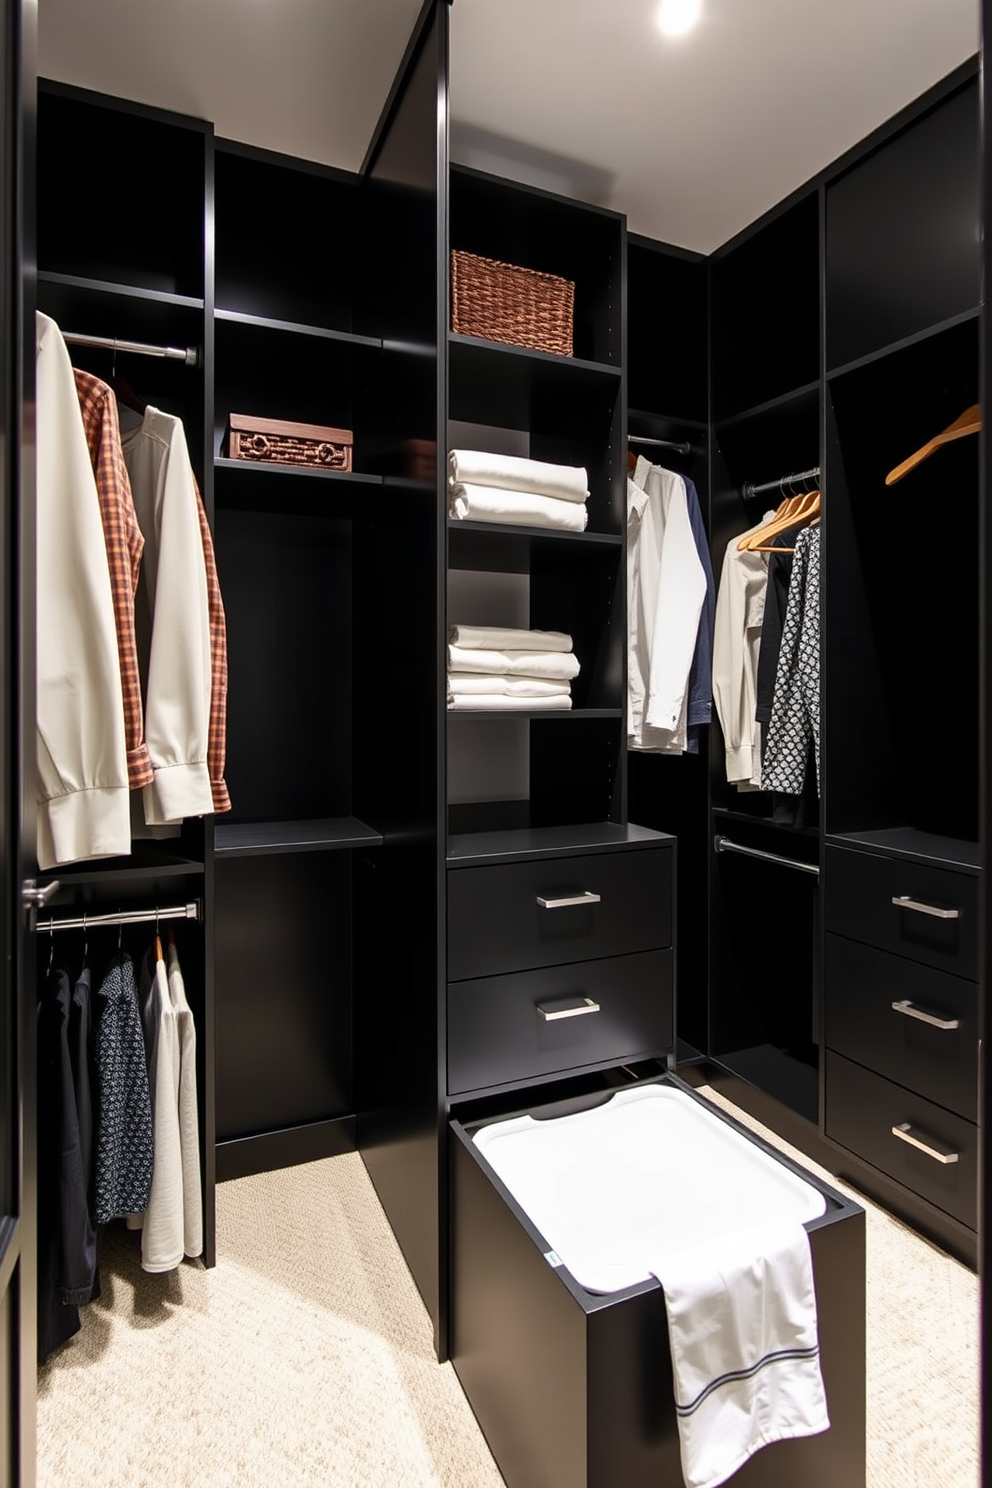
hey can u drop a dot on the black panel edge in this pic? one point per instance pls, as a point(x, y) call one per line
point(959, 78)
point(111, 102)
point(262, 156)
point(403, 72)
point(242, 1157)
point(669, 250)
point(985, 785)
point(572, 203)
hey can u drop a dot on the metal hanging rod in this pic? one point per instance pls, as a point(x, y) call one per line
point(190, 355)
point(800, 477)
point(189, 911)
point(682, 447)
point(724, 844)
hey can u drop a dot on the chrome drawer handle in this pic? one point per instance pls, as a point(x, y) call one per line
point(906, 901)
point(585, 898)
point(910, 1010)
point(554, 1011)
point(904, 1131)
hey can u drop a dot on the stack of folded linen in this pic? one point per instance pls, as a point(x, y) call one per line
point(489, 667)
point(525, 493)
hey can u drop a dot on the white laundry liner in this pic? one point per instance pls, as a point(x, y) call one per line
point(651, 1172)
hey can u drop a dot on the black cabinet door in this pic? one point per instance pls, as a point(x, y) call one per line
point(17, 761)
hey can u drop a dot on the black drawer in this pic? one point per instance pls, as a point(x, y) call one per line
point(516, 1027)
point(905, 1043)
point(497, 923)
point(859, 890)
point(862, 1109)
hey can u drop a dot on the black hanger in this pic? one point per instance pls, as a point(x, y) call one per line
point(123, 390)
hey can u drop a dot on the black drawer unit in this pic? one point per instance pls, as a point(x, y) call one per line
point(905, 1021)
point(518, 916)
point(926, 914)
point(526, 1025)
point(912, 1140)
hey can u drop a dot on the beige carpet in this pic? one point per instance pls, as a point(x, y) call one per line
point(304, 1360)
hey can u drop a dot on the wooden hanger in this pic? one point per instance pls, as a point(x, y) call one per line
point(970, 422)
point(812, 510)
point(797, 508)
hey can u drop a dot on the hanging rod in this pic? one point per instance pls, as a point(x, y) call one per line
point(682, 447)
point(189, 911)
point(724, 844)
point(750, 489)
point(189, 354)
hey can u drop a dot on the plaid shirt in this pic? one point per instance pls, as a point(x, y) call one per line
point(125, 543)
point(217, 736)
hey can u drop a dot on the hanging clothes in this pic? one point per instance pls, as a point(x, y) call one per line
point(124, 544)
point(83, 785)
point(740, 611)
point(189, 1124)
point(666, 588)
point(61, 1190)
point(217, 730)
point(162, 1222)
point(776, 604)
point(796, 706)
point(124, 1141)
point(173, 617)
point(700, 708)
point(80, 1047)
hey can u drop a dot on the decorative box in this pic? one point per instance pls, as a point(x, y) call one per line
point(500, 302)
point(279, 442)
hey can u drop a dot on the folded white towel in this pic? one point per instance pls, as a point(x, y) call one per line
point(498, 702)
point(558, 666)
point(516, 508)
point(745, 1349)
point(502, 638)
point(512, 473)
point(529, 687)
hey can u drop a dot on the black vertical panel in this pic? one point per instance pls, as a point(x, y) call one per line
point(985, 786)
point(18, 1338)
point(399, 702)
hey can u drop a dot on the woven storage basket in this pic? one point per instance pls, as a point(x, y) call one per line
point(501, 302)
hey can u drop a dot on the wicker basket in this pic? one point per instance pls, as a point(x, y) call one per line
point(500, 302)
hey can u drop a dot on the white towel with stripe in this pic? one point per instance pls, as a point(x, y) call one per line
point(745, 1348)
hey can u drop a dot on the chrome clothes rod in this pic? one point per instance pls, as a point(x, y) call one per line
point(189, 911)
point(724, 844)
point(800, 476)
point(682, 447)
point(190, 355)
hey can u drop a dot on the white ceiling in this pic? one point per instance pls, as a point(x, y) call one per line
point(693, 138)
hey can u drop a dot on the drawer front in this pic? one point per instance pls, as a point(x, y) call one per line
point(862, 1109)
point(935, 921)
point(603, 904)
point(911, 1043)
point(533, 1023)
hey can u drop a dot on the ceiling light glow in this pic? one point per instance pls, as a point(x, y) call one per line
point(676, 17)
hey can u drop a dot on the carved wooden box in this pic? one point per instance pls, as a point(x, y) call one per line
point(278, 442)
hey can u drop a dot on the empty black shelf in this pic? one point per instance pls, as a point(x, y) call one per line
point(908, 843)
point(125, 291)
point(253, 839)
point(530, 713)
point(535, 534)
point(260, 468)
point(294, 328)
point(471, 849)
point(799, 397)
point(145, 863)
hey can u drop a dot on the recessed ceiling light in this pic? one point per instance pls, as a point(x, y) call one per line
point(676, 17)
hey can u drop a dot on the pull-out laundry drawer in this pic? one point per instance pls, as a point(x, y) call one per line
point(573, 1388)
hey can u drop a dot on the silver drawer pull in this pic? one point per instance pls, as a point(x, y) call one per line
point(588, 897)
point(906, 901)
point(904, 1131)
point(910, 1010)
point(570, 1009)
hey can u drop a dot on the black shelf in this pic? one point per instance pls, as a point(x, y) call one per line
point(535, 534)
point(728, 814)
point(918, 339)
point(470, 849)
point(254, 839)
point(530, 713)
point(135, 869)
point(468, 350)
point(914, 846)
point(796, 398)
point(295, 328)
point(647, 421)
point(121, 291)
point(259, 469)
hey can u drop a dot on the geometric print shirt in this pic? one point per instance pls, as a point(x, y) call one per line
point(125, 1143)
